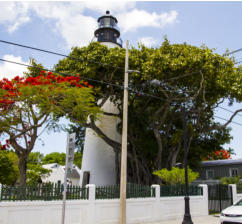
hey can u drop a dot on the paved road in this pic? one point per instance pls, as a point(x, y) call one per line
point(211, 219)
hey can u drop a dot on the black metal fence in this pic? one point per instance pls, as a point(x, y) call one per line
point(49, 192)
point(132, 191)
point(179, 190)
point(45, 192)
point(219, 197)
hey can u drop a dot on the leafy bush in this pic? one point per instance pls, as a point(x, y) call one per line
point(230, 180)
point(176, 175)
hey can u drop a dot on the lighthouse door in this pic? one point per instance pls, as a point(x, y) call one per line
point(86, 178)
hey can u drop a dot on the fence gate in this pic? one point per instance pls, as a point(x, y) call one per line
point(219, 197)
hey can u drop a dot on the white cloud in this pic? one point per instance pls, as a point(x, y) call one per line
point(148, 41)
point(75, 28)
point(8, 70)
point(130, 21)
point(70, 21)
point(113, 7)
point(13, 14)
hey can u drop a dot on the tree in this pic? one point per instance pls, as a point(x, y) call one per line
point(35, 158)
point(172, 76)
point(9, 172)
point(60, 158)
point(176, 175)
point(34, 174)
point(55, 157)
point(28, 104)
point(78, 159)
point(219, 154)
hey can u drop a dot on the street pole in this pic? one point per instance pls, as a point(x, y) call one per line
point(68, 167)
point(187, 216)
point(65, 186)
point(123, 176)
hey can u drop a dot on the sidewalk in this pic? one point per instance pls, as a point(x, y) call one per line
point(211, 219)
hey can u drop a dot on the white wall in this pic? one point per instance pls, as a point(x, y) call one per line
point(57, 174)
point(142, 210)
point(236, 196)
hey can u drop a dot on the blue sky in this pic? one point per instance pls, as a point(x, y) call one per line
point(57, 26)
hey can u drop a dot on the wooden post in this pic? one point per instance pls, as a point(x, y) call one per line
point(123, 178)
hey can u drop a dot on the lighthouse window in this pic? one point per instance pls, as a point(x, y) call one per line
point(106, 21)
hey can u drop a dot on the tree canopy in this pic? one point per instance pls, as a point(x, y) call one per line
point(171, 78)
point(33, 103)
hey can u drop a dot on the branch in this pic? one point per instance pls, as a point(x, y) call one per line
point(111, 114)
point(109, 141)
point(232, 117)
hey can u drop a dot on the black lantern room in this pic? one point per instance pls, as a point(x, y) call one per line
point(107, 30)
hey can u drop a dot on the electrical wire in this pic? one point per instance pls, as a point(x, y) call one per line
point(82, 59)
point(228, 110)
point(59, 54)
point(227, 120)
point(60, 73)
point(107, 83)
point(232, 52)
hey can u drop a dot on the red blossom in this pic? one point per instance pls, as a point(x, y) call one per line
point(44, 79)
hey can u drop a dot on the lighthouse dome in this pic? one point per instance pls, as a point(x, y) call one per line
point(107, 30)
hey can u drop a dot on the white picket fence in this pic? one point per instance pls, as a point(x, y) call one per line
point(92, 211)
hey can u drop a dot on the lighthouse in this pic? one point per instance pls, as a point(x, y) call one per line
point(98, 163)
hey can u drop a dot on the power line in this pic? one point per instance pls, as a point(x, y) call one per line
point(228, 110)
point(88, 60)
point(232, 52)
point(58, 54)
point(60, 73)
point(89, 79)
point(107, 83)
point(227, 120)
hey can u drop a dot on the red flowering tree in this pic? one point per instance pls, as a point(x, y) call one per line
point(219, 154)
point(28, 105)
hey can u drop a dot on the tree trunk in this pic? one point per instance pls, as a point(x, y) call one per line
point(22, 168)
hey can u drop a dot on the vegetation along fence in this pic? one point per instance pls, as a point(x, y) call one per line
point(45, 192)
point(239, 188)
point(179, 190)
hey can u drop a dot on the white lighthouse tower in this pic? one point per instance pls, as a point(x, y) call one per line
point(98, 163)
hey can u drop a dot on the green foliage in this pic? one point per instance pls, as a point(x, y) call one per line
point(60, 158)
point(183, 73)
point(9, 172)
point(34, 174)
point(35, 158)
point(55, 157)
point(78, 159)
point(230, 180)
point(176, 175)
point(35, 106)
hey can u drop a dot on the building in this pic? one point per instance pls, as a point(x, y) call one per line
point(216, 169)
point(58, 172)
point(98, 164)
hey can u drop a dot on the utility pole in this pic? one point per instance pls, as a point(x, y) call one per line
point(123, 177)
